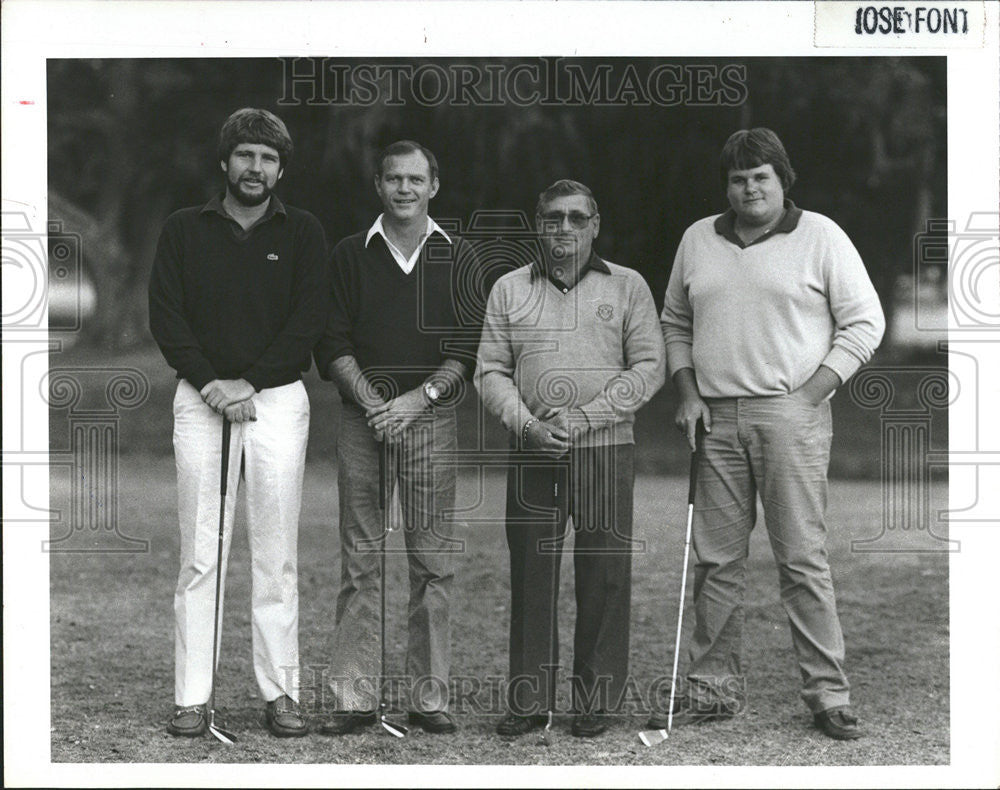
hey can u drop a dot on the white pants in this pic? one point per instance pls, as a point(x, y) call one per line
point(273, 450)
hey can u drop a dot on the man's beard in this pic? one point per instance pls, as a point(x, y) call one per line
point(249, 199)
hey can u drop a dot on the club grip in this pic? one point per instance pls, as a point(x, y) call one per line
point(381, 475)
point(227, 428)
point(699, 440)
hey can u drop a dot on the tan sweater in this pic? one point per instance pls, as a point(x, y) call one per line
point(759, 320)
point(596, 347)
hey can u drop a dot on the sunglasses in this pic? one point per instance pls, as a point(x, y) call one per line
point(577, 219)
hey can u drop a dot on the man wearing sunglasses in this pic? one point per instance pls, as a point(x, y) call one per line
point(570, 350)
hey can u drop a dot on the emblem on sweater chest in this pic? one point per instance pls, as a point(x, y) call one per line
point(272, 256)
point(605, 311)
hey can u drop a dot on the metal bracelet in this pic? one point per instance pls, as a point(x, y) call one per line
point(524, 431)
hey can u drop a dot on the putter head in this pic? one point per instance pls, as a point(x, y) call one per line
point(392, 728)
point(653, 737)
point(218, 733)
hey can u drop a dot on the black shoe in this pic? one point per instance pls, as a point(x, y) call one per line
point(437, 722)
point(514, 725)
point(687, 711)
point(658, 718)
point(589, 725)
point(345, 721)
point(838, 723)
point(284, 719)
point(188, 721)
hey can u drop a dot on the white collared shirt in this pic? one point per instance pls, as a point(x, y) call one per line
point(406, 264)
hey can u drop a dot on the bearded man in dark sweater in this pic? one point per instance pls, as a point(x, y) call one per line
point(392, 347)
point(237, 299)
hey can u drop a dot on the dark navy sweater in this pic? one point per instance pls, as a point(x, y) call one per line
point(400, 327)
point(229, 304)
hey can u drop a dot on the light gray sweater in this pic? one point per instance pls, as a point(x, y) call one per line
point(759, 320)
point(597, 347)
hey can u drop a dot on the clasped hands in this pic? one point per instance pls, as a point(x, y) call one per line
point(232, 398)
point(553, 431)
point(390, 419)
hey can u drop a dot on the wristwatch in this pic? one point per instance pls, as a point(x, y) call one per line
point(432, 392)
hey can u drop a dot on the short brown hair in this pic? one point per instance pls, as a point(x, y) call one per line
point(750, 148)
point(253, 125)
point(401, 148)
point(565, 187)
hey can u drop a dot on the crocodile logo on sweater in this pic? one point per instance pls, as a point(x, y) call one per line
point(272, 256)
point(605, 311)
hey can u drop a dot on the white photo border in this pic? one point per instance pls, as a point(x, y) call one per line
point(34, 30)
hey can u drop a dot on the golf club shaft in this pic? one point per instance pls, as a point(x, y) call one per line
point(692, 485)
point(550, 697)
point(383, 501)
point(223, 487)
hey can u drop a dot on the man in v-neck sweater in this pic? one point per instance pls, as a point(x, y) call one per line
point(571, 349)
point(393, 346)
point(768, 309)
point(237, 299)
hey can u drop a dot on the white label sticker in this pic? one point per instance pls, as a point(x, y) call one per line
point(901, 24)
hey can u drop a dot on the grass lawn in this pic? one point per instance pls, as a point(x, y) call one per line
point(112, 641)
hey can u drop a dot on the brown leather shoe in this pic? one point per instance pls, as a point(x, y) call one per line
point(284, 719)
point(188, 721)
point(688, 711)
point(513, 725)
point(343, 722)
point(439, 722)
point(589, 725)
point(838, 723)
point(658, 718)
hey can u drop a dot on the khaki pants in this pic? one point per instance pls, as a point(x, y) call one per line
point(273, 449)
point(778, 447)
point(427, 497)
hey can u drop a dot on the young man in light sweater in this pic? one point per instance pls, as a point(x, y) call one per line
point(570, 350)
point(768, 310)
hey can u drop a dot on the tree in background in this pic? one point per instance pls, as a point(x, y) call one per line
point(132, 140)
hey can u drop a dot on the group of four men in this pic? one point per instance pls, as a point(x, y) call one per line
point(768, 309)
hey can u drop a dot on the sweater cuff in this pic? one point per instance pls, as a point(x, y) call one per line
point(200, 374)
point(841, 362)
point(514, 417)
point(325, 357)
point(679, 356)
point(254, 378)
point(594, 415)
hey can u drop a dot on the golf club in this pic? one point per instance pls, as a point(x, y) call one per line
point(386, 475)
point(654, 737)
point(543, 738)
point(220, 734)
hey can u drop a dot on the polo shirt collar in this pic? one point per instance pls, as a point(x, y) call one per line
point(725, 225)
point(274, 206)
point(594, 262)
point(432, 227)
